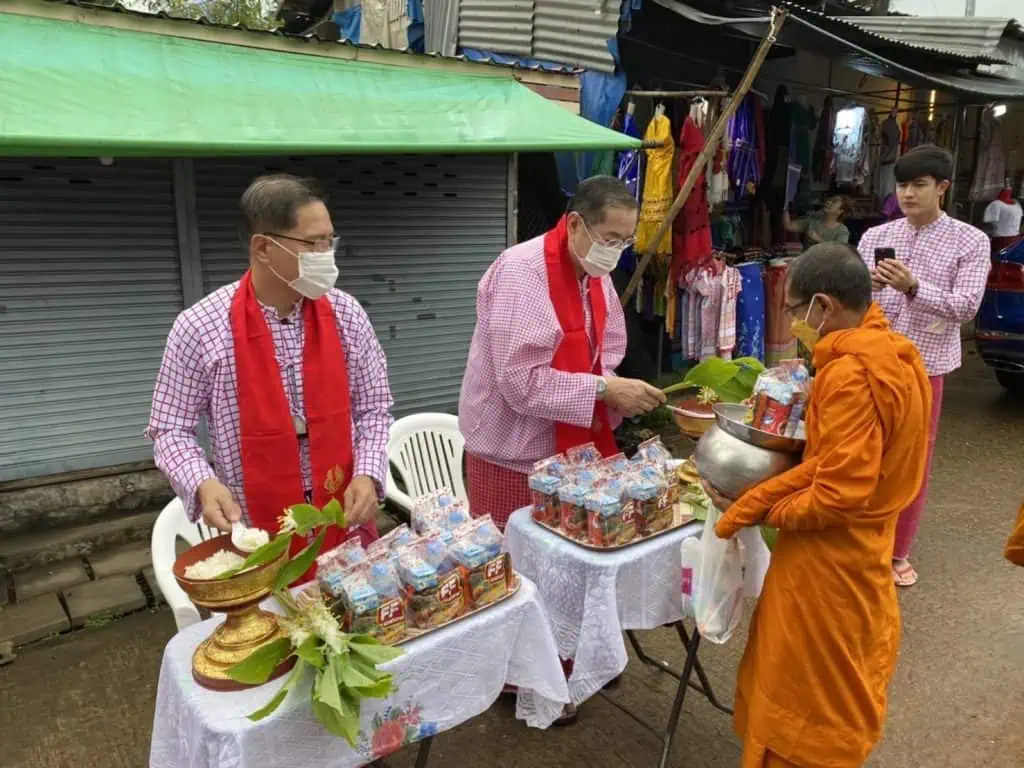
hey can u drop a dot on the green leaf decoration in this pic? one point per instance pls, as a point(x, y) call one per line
point(258, 666)
point(268, 709)
point(336, 723)
point(299, 564)
point(353, 677)
point(333, 513)
point(326, 689)
point(732, 380)
point(770, 536)
point(372, 651)
point(306, 517)
point(311, 652)
point(268, 553)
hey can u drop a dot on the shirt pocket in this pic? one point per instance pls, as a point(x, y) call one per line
point(927, 324)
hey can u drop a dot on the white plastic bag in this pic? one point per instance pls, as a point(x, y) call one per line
point(712, 581)
point(756, 559)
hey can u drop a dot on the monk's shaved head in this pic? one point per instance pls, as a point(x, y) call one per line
point(832, 269)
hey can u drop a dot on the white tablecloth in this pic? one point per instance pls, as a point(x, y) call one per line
point(591, 597)
point(444, 679)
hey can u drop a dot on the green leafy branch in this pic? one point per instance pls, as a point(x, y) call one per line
point(344, 665)
point(731, 380)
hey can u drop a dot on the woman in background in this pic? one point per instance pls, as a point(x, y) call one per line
point(825, 226)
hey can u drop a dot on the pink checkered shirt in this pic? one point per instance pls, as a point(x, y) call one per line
point(197, 378)
point(511, 396)
point(950, 260)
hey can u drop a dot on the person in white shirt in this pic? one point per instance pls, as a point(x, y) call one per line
point(1003, 217)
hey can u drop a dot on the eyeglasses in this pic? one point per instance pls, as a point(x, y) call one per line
point(323, 244)
point(623, 244)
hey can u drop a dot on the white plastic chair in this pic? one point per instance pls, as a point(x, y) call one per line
point(171, 524)
point(426, 450)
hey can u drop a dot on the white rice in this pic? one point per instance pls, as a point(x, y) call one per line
point(213, 566)
point(253, 539)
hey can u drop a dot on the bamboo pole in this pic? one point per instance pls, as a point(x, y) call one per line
point(710, 145)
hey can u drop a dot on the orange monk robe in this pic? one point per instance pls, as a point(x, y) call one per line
point(825, 634)
point(1014, 551)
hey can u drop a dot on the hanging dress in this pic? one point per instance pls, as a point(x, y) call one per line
point(691, 230)
point(657, 197)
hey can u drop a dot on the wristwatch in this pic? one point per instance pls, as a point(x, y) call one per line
point(602, 387)
point(912, 291)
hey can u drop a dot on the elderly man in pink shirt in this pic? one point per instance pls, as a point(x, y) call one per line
point(929, 272)
point(288, 375)
point(550, 332)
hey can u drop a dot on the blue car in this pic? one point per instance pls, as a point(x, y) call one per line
point(999, 327)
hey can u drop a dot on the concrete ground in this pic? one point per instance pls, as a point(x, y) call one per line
point(957, 699)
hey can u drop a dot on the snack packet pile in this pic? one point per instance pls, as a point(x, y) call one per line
point(780, 398)
point(606, 502)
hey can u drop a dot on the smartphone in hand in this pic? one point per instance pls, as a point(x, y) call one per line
point(881, 254)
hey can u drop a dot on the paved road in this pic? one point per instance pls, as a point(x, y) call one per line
point(957, 700)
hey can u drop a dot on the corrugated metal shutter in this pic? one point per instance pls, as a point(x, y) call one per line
point(418, 233)
point(90, 283)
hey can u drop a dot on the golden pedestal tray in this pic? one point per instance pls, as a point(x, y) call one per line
point(246, 626)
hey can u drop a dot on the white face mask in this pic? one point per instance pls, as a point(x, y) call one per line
point(317, 273)
point(600, 259)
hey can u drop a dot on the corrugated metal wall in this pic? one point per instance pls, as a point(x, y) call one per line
point(441, 26)
point(418, 233)
point(573, 32)
point(576, 32)
point(90, 283)
point(501, 26)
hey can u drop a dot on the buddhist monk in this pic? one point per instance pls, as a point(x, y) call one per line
point(824, 637)
point(1014, 551)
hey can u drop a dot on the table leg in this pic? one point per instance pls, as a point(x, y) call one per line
point(704, 687)
point(424, 754)
point(692, 644)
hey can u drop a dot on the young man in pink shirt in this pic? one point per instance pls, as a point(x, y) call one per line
point(928, 273)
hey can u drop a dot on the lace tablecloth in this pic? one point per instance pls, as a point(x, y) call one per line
point(591, 597)
point(444, 679)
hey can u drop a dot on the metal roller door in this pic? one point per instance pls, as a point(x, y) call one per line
point(89, 286)
point(418, 232)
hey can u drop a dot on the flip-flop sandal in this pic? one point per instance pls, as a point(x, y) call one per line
point(904, 574)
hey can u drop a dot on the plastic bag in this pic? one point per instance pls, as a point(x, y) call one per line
point(712, 581)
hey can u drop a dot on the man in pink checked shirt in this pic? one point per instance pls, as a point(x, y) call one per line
point(549, 333)
point(928, 272)
point(288, 373)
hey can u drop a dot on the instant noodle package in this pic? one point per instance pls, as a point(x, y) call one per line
point(607, 502)
point(780, 398)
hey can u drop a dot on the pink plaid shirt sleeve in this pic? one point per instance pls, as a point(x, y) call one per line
point(181, 396)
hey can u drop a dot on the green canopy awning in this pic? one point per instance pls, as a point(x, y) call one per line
point(73, 89)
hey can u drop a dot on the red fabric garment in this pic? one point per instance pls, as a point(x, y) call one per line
point(574, 353)
point(1006, 196)
point(272, 473)
point(494, 490)
point(691, 230)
